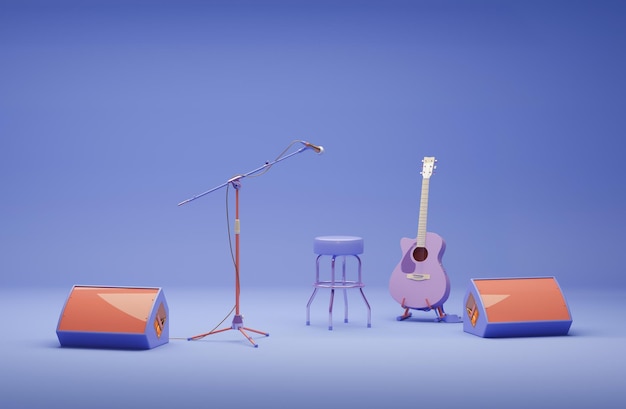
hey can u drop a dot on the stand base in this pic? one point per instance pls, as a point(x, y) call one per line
point(442, 316)
point(237, 324)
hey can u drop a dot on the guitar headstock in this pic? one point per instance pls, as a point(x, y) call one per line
point(428, 166)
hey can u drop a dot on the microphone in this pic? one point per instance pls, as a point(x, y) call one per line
point(318, 149)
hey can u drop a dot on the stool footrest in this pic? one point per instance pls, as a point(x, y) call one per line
point(338, 284)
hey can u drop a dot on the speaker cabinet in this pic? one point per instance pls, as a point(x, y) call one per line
point(515, 307)
point(114, 317)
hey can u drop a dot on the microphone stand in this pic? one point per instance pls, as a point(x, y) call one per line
point(237, 323)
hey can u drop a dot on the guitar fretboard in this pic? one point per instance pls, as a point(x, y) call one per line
point(421, 226)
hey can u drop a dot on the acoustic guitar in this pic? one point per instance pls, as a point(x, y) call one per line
point(419, 281)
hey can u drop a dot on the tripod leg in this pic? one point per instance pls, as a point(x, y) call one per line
point(257, 331)
point(248, 337)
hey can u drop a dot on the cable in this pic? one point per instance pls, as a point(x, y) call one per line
point(232, 256)
point(230, 240)
point(212, 329)
point(278, 157)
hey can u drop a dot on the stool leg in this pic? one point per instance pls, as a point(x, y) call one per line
point(315, 284)
point(345, 302)
point(360, 282)
point(308, 307)
point(330, 310)
point(332, 293)
point(345, 291)
point(369, 310)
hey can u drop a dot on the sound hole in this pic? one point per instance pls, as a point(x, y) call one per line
point(420, 253)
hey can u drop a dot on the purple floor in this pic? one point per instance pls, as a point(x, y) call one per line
point(410, 363)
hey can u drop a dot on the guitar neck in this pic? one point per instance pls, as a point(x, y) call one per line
point(421, 226)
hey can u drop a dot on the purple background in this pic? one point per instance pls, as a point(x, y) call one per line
point(115, 111)
point(112, 112)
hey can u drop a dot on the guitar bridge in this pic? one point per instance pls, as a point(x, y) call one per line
point(418, 277)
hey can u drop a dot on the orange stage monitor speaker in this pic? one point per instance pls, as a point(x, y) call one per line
point(515, 307)
point(114, 317)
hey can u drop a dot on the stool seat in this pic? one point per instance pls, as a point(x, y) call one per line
point(341, 247)
point(338, 245)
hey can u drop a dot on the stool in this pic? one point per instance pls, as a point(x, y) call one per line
point(338, 246)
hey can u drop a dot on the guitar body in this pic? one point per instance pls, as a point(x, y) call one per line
point(419, 281)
